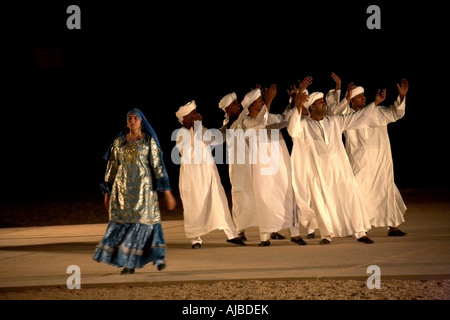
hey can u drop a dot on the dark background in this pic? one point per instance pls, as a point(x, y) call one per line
point(65, 93)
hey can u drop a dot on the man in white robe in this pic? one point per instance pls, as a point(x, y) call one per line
point(271, 171)
point(334, 193)
point(300, 177)
point(240, 170)
point(369, 152)
point(205, 206)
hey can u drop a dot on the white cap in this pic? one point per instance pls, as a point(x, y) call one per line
point(185, 110)
point(227, 100)
point(356, 91)
point(250, 98)
point(313, 97)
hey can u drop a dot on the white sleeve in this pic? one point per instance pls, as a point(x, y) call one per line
point(294, 128)
point(259, 122)
point(333, 97)
point(364, 118)
point(394, 112)
point(334, 106)
point(279, 121)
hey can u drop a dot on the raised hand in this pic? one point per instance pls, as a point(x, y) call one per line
point(350, 88)
point(380, 97)
point(336, 79)
point(403, 88)
point(300, 100)
point(305, 83)
point(292, 93)
point(269, 94)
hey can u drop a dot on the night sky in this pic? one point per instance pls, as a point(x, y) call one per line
point(65, 93)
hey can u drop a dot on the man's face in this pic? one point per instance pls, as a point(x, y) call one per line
point(234, 109)
point(319, 107)
point(257, 105)
point(188, 120)
point(359, 101)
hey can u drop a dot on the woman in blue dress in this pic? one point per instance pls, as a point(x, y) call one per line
point(134, 236)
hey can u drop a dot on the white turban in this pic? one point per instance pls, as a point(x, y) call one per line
point(356, 91)
point(185, 110)
point(227, 100)
point(313, 97)
point(250, 98)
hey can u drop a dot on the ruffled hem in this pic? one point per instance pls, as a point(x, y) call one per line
point(131, 245)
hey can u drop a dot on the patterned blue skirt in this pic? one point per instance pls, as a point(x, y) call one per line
point(131, 245)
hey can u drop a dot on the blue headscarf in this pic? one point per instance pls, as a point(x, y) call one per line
point(162, 183)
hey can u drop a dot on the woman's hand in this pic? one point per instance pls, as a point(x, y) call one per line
point(106, 201)
point(171, 202)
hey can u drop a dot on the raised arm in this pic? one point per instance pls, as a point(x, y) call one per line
point(373, 115)
point(336, 106)
point(295, 127)
point(334, 95)
point(279, 121)
point(397, 110)
point(259, 122)
point(269, 94)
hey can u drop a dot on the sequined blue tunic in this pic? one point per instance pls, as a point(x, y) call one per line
point(130, 169)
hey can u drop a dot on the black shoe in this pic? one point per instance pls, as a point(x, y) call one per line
point(276, 236)
point(299, 241)
point(127, 271)
point(396, 233)
point(196, 245)
point(236, 240)
point(161, 266)
point(365, 239)
point(242, 236)
point(264, 243)
point(311, 235)
point(324, 241)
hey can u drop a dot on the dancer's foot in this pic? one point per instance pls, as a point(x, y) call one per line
point(311, 235)
point(237, 241)
point(242, 236)
point(395, 232)
point(161, 266)
point(276, 236)
point(264, 243)
point(298, 240)
point(127, 271)
point(365, 239)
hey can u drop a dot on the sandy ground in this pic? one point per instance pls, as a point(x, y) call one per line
point(251, 290)
point(90, 210)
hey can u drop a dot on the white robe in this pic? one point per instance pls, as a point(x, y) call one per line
point(204, 201)
point(369, 152)
point(242, 194)
point(274, 196)
point(324, 172)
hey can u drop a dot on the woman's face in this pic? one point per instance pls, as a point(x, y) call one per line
point(133, 122)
